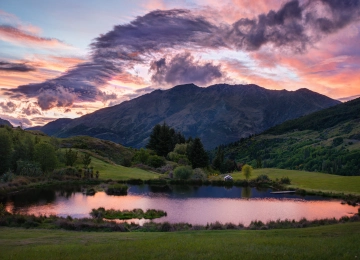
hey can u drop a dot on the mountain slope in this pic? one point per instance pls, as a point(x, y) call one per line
point(326, 141)
point(52, 127)
point(5, 122)
point(217, 114)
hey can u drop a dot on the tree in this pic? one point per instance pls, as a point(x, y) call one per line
point(197, 155)
point(5, 152)
point(141, 156)
point(70, 157)
point(247, 171)
point(86, 160)
point(219, 159)
point(45, 155)
point(163, 139)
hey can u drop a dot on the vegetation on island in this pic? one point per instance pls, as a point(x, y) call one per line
point(101, 213)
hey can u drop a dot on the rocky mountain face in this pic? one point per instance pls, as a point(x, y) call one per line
point(218, 114)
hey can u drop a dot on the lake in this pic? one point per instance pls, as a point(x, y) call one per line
point(195, 205)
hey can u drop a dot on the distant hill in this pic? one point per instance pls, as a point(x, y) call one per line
point(217, 114)
point(325, 141)
point(5, 122)
point(52, 127)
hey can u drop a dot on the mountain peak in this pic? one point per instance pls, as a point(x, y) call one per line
point(218, 114)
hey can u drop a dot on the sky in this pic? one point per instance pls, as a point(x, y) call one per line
point(69, 58)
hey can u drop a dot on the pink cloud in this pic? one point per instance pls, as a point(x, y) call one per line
point(18, 36)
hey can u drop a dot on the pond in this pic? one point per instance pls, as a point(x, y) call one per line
point(195, 205)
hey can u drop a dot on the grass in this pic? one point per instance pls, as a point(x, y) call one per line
point(328, 242)
point(310, 180)
point(118, 172)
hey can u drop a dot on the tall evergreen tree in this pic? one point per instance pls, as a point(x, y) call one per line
point(198, 156)
point(163, 139)
point(219, 159)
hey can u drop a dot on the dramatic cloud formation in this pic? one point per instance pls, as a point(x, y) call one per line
point(16, 67)
point(8, 107)
point(175, 33)
point(184, 69)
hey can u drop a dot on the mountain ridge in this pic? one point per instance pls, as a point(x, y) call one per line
point(217, 114)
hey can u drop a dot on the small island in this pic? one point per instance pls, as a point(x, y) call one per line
point(127, 214)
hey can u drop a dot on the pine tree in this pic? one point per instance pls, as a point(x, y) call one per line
point(198, 156)
point(163, 139)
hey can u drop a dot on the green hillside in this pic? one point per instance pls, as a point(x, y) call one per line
point(327, 141)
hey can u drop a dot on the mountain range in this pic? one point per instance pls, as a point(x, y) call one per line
point(218, 114)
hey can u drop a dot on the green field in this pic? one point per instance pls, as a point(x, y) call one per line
point(311, 180)
point(339, 241)
point(118, 172)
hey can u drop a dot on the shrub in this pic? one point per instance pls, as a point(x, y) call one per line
point(183, 172)
point(263, 178)
point(156, 161)
point(216, 226)
point(7, 176)
point(199, 174)
point(27, 168)
point(285, 180)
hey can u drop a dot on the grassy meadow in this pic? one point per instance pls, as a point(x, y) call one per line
point(310, 180)
point(327, 242)
point(118, 172)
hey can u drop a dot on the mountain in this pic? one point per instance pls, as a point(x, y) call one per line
point(5, 122)
point(52, 127)
point(217, 114)
point(325, 141)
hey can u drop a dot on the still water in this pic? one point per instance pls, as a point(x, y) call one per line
point(195, 205)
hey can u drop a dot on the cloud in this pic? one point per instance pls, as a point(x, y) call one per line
point(8, 107)
point(16, 35)
point(183, 68)
point(58, 97)
point(30, 110)
point(16, 67)
point(294, 28)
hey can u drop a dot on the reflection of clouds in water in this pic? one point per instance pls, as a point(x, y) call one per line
point(196, 208)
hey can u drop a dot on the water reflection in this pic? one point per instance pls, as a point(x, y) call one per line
point(246, 192)
point(193, 204)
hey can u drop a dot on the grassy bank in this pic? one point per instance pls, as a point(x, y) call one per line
point(328, 242)
point(311, 180)
point(118, 172)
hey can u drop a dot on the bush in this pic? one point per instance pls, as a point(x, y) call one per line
point(27, 168)
point(263, 178)
point(199, 174)
point(7, 176)
point(285, 180)
point(183, 172)
point(156, 161)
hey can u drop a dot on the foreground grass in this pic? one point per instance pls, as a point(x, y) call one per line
point(118, 172)
point(328, 242)
point(311, 180)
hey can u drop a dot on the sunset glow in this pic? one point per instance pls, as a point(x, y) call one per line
point(67, 59)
